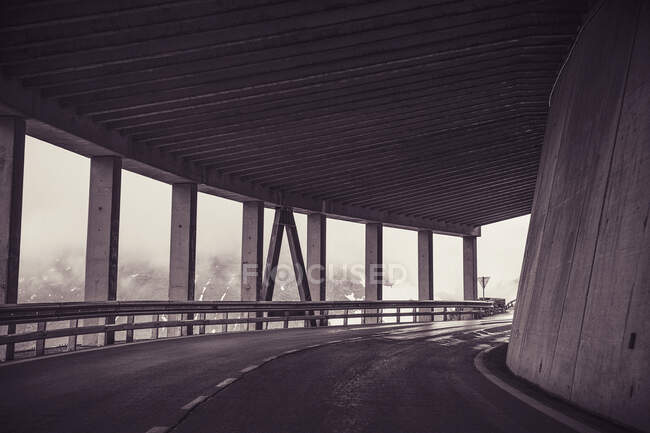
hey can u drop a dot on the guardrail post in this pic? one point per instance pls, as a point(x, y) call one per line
point(224, 327)
point(109, 336)
point(40, 343)
point(154, 331)
point(130, 320)
point(9, 348)
point(202, 327)
point(398, 317)
point(12, 148)
point(72, 339)
point(345, 318)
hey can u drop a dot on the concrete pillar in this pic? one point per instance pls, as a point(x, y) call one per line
point(103, 235)
point(425, 269)
point(182, 251)
point(470, 275)
point(12, 152)
point(374, 266)
point(581, 330)
point(251, 250)
point(316, 265)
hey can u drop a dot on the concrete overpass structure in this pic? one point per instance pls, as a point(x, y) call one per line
point(430, 116)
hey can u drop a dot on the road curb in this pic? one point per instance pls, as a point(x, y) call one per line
point(558, 416)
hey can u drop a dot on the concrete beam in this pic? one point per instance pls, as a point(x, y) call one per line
point(251, 250)
point(12, 157)
point(470, 274)
point(296, 257)
point(182, 251)
point(103, 235)
point(316, 262)
point(425, 269)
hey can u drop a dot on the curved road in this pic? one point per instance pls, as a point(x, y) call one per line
point(391, 378)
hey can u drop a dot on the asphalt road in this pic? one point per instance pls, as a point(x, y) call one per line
point(398, 378)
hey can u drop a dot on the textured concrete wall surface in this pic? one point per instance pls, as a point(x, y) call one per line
point(582, 324)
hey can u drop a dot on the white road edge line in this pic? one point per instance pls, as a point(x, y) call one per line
point(194, 402)
point(287, 352)
point(269, 359)
point(249, 368)
point(226, 382)
point(158, 429)
point(546, 410)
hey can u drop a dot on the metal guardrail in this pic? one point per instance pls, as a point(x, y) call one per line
point(189, 315)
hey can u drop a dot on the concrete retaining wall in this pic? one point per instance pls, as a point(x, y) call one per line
point(582, 323)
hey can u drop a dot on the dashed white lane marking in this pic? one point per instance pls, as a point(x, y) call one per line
point(194, 402)
point(481, 346)
point(249, 368)
point(158, 429)
point(446, 341)
point(334, 341)
point(355, 339)
point(546, 410)
point(312, 346)
point(287, 352)
point(226, 382)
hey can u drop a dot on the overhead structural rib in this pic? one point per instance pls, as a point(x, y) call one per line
point(421, 114)
point(88, 138)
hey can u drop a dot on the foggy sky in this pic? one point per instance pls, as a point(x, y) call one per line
point(55, 207)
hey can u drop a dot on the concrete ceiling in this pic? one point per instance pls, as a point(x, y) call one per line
point(420, 114)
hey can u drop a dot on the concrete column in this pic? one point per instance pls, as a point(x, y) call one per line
point(182, 251)
point(316, 266)
point(470, 275)
point(12, 152)
point(425, 269)
point(251, 250)
point(374, 265)
point(103, 235)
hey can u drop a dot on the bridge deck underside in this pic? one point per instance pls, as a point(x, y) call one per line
point(433, 111)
